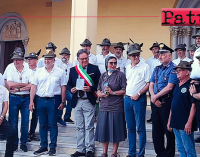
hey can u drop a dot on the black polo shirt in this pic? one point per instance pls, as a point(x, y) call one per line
point(180, 107)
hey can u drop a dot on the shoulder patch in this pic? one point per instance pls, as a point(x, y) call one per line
point(183, 90)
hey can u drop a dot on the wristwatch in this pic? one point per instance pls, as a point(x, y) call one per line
point(2, 117)
point(114, 93)
point(138, 93)
point(64, 103)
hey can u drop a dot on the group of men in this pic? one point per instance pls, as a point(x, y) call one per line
point(43, 86)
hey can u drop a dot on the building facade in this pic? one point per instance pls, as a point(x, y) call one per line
point(32, 24)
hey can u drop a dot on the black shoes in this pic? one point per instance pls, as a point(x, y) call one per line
point(68, 120)
point(76, 154)
point(24, 148)
point(52, 152)
point(32, 137)
point(197, 140)
point(90, 154)
point(41, 151)
point(149, 121)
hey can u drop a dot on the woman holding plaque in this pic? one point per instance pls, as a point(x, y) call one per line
point(111, 125)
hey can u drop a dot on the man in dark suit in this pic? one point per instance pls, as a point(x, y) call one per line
point(83, 100)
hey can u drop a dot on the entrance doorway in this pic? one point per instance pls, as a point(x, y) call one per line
point(9, 49)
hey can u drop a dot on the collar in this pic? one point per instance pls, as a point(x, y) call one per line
point(137, 65)
point(24, 69)
point(168, 65)
point(107, 54)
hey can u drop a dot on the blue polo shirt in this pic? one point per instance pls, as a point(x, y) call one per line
point(162, 75)
point(180, 107)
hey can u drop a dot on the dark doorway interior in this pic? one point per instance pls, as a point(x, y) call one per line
point(9, 48)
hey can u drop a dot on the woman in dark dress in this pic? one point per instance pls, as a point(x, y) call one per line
point(111, 125)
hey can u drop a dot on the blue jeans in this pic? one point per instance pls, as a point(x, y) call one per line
point(18, 103)
point(185, 143)
point(34, 119)
point(68, 107)
point(47, 113)
point(135, 112)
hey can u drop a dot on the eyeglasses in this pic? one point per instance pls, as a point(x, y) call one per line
point(113, 63)
point(85, 46)
point(82, 59)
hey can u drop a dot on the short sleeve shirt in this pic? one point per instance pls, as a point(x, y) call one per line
point(66, 69)
point(162, 75)
point(180, 107)
point(116, 81)
point(10, 67)
point(24, 77)
point(177, 61)
point(137, 77)
point(3, 97)
point(49, 84)
point(121, 63)
point(153, 62)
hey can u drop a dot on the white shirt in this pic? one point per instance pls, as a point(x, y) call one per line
point(101, 61)
point(195, 73)
point(92, 60)
point(137, 77)
point(10, 67)
point(121, 63)
point(57, 63)
point(153, 62)
point(177, 61)
point(129, 61)
point(49, 84)
point(14, 75)
point(3, 97)
point(2, 80)
point(66, 69)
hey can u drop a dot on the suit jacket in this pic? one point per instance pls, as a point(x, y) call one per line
point(94, 73)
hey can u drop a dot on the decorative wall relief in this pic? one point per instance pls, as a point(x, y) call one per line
point(13, 30)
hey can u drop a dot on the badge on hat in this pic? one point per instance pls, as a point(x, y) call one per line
point(183, 90)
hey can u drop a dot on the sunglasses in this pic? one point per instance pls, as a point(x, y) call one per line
point(135, 55)
point(113, 63)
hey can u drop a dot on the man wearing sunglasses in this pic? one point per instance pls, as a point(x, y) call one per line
point(161, 87)
point(135, 101)
point(86, 44)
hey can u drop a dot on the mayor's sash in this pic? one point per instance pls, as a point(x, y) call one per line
point(85, 76)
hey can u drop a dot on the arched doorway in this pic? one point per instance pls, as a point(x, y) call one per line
point(13, 33)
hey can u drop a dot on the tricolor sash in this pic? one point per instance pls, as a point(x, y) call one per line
point(85, 76)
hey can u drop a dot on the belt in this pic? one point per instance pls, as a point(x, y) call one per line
point(47, 98)
point(21, 95)
point(83, 98)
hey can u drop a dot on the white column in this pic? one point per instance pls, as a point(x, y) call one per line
point(83, 24)
point(174, 34)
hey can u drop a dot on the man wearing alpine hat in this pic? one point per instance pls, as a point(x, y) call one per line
point(66, 65)
point(32, 59)
point(121, 60)
point(49, 89)
point(58, 62)
point(86, 44)
point(135, 101)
